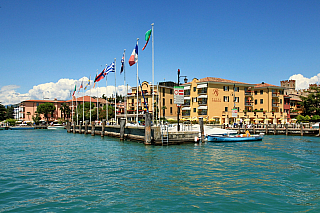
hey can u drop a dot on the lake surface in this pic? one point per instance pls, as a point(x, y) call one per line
point(54, 171)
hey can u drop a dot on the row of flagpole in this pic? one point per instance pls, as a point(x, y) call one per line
point(112, 68)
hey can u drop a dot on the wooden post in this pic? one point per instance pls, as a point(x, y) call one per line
point(80, 127)
point(275, 129)
point(122, 127)
point(245, 128)
point(286, 129)
point(201, 129)
point(267, 128)
point(147, 134)
point(68, 127)
point(74, 128)
point(254, 129)
point(103, 127)
point(92, 128)
point(86, 127)
point(301, 129)
point(238, 128)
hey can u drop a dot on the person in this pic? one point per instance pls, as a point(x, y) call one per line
point(240, 122)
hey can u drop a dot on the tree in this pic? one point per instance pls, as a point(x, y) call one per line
point(3, 112)
point(36, 119)
point(311, 103)
point(46, 109)
point(10, 112)
point(65, 109)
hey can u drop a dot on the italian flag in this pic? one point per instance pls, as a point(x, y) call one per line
point(147, 37)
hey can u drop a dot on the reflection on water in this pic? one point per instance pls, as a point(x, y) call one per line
point(67, 172)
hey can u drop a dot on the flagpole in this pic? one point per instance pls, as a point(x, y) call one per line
point(90, 98)
point(97, 101)
point(137, 88)
point(82, 103)
point(77, 110)
point(72, 110)
point(152, 75)
point(107, 106)
point(124, 79)
point(115, 92)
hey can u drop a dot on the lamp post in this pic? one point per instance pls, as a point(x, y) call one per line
point(178, 107)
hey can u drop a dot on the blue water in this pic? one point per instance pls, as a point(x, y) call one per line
point(53, 171)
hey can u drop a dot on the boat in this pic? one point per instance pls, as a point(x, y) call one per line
point(56, 126)
point(21, 127)
point(315, 126)
point(234, 137)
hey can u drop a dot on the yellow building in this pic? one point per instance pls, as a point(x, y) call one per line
point(225, 101)
point(164, 105)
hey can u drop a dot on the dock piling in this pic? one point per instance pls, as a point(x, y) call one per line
point(92, 128)
point(74, 127)
point(201, 128)
point(147, 129)
point(86, 127)
point(103, 127)
point(122, 127)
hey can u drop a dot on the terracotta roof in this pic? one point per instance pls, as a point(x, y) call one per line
point(43, 101)
point(212, 79)
point(265, 85)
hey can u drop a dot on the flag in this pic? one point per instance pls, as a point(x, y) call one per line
point(147, 37)
point(75, 89)
point(80, 87)
point(87, 85)
point(94, 82)
point(134, 56)
point(110, 68)
point(122, 63)
point(100, 76)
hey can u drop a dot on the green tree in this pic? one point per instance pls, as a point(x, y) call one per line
point(65, 109)
point(46, 109)
point(3, 112)
point(10, 112)
point(36, 119)
point(11, 121)
point(311, 103)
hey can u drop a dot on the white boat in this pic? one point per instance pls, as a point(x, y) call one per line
point(315, 126)
point(56, 126)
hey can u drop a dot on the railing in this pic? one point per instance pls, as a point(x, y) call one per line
point(202, 91)
point(202, 102)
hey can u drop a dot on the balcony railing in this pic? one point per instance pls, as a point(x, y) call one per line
point(248, 93)
point(202, 91)
point(187, 92)
point(202, 102)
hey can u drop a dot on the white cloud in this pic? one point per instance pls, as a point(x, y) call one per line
point(60, 90)
point(303, 82)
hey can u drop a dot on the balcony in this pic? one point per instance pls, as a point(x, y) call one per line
point(248, 93)
point(203, 90)
point(275, 94)
point(187, 93)
point(202, 112)
point(248, 103)
point(203, 101)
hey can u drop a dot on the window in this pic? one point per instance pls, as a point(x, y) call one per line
point(280, 101)
point(194, 89)
point(225, 98)
point(255, 101)
point(171, 91)
point(261, 109)
point(236, 99)
point(170, 110)
point(226, 109)
point(225, 88)
point(194, 99)
point(194, 109)
point(170, 101)
point(261, 101)
point(163, 101)
point(261, 92)
point(236, 89)
point(163, 92)
point(280, 110)
point(256, 92)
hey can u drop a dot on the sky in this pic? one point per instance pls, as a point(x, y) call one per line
point(48, 47)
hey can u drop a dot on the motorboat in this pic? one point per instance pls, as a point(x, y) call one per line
point(234, 137)
point(56, 126)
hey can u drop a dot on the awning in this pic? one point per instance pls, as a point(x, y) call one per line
point(186, 97)
point(202, 107)
point(203, 96)
point(186, 88)
point(186, 108)
point(202, 85)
